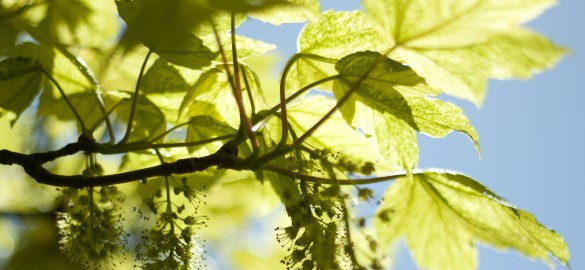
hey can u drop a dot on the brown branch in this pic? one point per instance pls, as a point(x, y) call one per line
point(32, 165)
point(83, 144)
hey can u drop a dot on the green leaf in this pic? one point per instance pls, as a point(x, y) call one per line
point(245, 6)
point(337, 34)
point(395, 141)
point(149, 121)
point(295, 11)
point(86, 105)
point(379, 89)
point(55, 63)
point(162, 77)
point(166, 84)
point(211, 95)
point(204, 127)
point(11, 68)
point(334, 134)
point(188, 51)
point(85, 23)
point(21, 80)
point(246, 47)
point(441, 215)
point(437, 118)
point(444, 40)
point(306, 71)
point(159, 23)
point(333, 35)
point(381, 109)
point(392, 92)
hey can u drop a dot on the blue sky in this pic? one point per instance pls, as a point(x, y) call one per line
point(531, 133)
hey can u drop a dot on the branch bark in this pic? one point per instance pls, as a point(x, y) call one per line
point(32, 165)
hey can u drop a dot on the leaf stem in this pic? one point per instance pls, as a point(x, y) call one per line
point(145, 146)
point(305, 89)
point(69, 104)
point(88, 73)
point(316, 179)
point(248, 90)
point(340, 102)
point(162, 135)
point(135, 100)
point(245, 123)
point(238, 90)
point(283, 101)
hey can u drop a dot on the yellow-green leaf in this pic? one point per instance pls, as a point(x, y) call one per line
point(442, 215)
point(162, 77)
point(383, 86)
point(86, 105)
point(437, 118)
point(59, 66)
point(83, 22)
point(204, 127)
point(211, 95)
point(334, 134)
point(149, 121)
point(294, 11)
point(333, 35)
point(337, 34)
point(395, 140)
point(20, 81)
point(457, 45)
point(186, 50)
point(379, 106)
point(158, 23)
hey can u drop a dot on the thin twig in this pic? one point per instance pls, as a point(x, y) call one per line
point(83, 130)
point(316, 179)
point(135, 101)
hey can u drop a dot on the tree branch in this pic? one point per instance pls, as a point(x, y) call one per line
point(32, 165)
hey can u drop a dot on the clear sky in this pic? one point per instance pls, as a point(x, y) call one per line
point(532, 136)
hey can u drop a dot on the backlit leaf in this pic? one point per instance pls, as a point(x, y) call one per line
point(83, 22)
point(256, 90)
point(247, 47)
point(334, 134)
point(306, 71)
point(59, 66)
point(337, 34)
point(11, 68)
point(187, 51)
point(441, 216)
point(444, 40)
point(294, 11)
point(86, 105)
point(381, 109)
point(392, 88)
point(333, 35)
point(160, 23)
point(20, 81)
point(204, 127)
point(162, 77)
point(211, 95)
point(380, 88)
point(437, 118)
point(149, 121)
point(395, 140)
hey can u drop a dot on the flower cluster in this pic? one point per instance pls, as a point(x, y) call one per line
point(315, 239)
point(90, 228)
point(172, 243)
